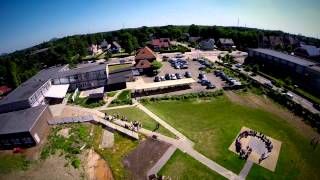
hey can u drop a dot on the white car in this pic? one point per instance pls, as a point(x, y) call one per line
point(289, 95)
point(173, 77)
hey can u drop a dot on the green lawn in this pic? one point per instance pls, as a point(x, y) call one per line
point(183, 166)
point(111, 93)
point(138, 115)
point(123, 99)
point(13, 162)
point(120, 66)
point(214, 124)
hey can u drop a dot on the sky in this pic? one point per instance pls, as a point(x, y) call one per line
point(25, 23)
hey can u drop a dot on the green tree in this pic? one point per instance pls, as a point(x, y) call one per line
point(15, 78)
point(156, 65)
point(194, 30)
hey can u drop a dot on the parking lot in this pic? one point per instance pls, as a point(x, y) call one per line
point(193, 68)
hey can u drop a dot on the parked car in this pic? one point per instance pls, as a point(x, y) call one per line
point(178, 76)
point(268, 84)
point(289, 95)
point(201, 75)
point(316, 106)
point(188, 74)
point(167, 76)
point(177, 66)
point(217, 72)
point(179, 56)
point(173, 77)
point(157, 79)
point(202, 67)
point(210, 86)
point(238, 65)
point(205, 82)
point(162, 78)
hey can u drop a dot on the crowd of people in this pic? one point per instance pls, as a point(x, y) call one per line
point(132, 125)
point(245, 152)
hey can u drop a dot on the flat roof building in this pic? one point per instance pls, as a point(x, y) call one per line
point(24, 128)
point(306, 73)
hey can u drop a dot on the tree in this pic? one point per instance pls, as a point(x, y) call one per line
point(156, 65)
point(15, 79)
point(194, 30)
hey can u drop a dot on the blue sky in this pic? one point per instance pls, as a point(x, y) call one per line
point(28, 22)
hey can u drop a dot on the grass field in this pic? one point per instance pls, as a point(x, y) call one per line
point(182, 166)
point(214, 124)
point(138, 115)
point(13, 162)
point(123, 99)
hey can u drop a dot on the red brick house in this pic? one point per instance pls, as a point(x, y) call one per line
point(144, 57)
point(162, 43)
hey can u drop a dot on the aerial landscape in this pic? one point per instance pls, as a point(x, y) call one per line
point(170, 90)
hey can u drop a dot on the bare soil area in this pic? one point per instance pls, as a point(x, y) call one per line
point(97, 168)
point(255, 101)
point(144, 157)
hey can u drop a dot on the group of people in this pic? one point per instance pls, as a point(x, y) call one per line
point(133, 126)
point(245, 152)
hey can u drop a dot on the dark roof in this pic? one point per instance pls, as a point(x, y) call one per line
point(311, 50)
point(28, 88)
point(82, 68)
point(287, 57)
point(20, 121)
point(114, 43)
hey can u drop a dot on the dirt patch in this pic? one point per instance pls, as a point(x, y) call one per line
point(144, 157)
point(97, 168)
point(64, 132)
point(52, 168)
point(255, 101)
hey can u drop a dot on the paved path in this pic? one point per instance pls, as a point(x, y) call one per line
point(246, 169)
point(164, 124)
point(162, 161)
point(109, 100)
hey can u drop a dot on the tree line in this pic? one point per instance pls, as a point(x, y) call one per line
point(20, 65)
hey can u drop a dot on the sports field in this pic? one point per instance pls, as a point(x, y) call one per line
point(213, 125)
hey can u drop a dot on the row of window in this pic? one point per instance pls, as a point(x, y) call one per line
point(40, 93)
point(16, 141)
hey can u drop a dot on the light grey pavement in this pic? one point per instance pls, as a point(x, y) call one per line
point(246, 169)
point(162, 161)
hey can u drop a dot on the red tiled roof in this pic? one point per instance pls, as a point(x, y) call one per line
point(145, 53)
point(143, 64)
point(4, 89)
point(161, 42)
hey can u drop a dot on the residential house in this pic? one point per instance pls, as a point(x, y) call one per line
point(207, 44)
point(105, 45)
point(194, 39)
point(4, 90)
point(307, 51)
point(94, 49)
point(146, 56)
point(115, 47)
point(225, 44)
point(162, 43)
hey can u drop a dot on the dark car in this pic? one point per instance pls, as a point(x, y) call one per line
point(178, 76)
point(188, 74)
point(210, 86)
point(205, 82)
point(157, 79)
point(217, 72)
point(167, 76)
point(316, 106)
point(201, 75)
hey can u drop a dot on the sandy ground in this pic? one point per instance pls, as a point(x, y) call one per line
point(269, 163)
point(255, 101)
point(52, 168)
point(144, 157)
point(97, 168)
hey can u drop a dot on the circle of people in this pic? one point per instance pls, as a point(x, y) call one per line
point(245, 152)
point(133, 125)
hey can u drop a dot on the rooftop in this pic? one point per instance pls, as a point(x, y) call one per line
point(287, 57)
point(20, 121)
point(82, 68)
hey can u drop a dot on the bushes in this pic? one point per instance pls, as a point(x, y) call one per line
point(184, 96)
